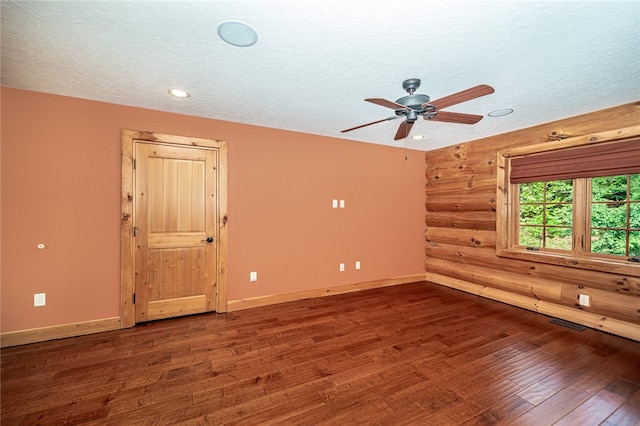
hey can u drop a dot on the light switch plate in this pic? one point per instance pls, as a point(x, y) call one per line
point(39, 299)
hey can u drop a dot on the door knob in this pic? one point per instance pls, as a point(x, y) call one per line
point(208, 240)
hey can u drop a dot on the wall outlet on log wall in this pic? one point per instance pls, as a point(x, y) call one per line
point(584, 300)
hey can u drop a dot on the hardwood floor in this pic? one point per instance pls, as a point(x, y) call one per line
point(413, 354)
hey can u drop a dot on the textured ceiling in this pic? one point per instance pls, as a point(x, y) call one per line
point(315, 61)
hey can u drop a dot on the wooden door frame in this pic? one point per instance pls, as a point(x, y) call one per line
point(127, 267)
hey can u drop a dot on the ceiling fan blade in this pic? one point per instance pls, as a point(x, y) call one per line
point(403, 130)
point(386, 103)
point(465, 95)
point(455, 117)
point(369, 124)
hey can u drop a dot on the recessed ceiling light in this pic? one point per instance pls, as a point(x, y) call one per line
point(416, 137)
point(178, 93)
point(500, 112)
point(237, 33)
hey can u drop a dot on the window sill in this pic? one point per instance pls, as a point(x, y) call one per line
point(614, 266)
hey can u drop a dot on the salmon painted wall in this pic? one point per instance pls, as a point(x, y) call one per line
point(61, 187)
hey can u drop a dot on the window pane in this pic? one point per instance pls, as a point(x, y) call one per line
point(532, 192)
point(634, 216)
point(634, 244)
point(531, 214)
point(559, 214)
point(609, 188)
point(558, 238)
point(610, 215)
point(635, 187)
point(530, 236)
point(608, 241)
point(560, 191)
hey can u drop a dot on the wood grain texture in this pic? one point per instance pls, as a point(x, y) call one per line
point(463, 192)
point(579, 316)
point(34, 335)
point(188, 192)
point(175, 214)
point(406, 354)
point(255, 302)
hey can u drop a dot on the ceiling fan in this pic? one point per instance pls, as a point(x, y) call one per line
point(415, 105)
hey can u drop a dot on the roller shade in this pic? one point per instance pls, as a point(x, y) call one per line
point(606, 159)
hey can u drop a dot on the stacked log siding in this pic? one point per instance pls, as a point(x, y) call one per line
point(460, 232)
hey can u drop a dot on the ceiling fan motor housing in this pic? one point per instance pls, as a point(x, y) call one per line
point(418, 105)
point(413, 101)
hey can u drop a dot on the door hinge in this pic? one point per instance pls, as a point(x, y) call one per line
point(134, 164)
point(134, 298)
point(135, 231)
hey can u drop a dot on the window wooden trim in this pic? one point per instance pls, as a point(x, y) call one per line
point(507, 202)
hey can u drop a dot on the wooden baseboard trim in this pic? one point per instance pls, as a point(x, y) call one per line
point(598, 322)
point(255, 302)
point(34, 335)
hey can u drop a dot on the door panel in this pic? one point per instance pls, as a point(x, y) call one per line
point(175, 265)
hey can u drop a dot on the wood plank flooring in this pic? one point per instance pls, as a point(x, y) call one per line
point(413, 354)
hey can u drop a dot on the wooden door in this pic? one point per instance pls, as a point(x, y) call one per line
point(175, 232)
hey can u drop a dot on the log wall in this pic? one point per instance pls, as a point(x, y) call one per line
point(460, 233)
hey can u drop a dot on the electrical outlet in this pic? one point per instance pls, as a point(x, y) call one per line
point(253, 277)
point(584, 300)
point(334, 204)
point(342, 204)
point(342, 267)
point(39, 299)
point(357, 264)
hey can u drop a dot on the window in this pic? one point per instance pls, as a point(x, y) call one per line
point(572, 203)
point(546, 214)
point(615, 215)
point(545, 218)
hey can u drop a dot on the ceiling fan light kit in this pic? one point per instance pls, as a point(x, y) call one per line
point(418, 105)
